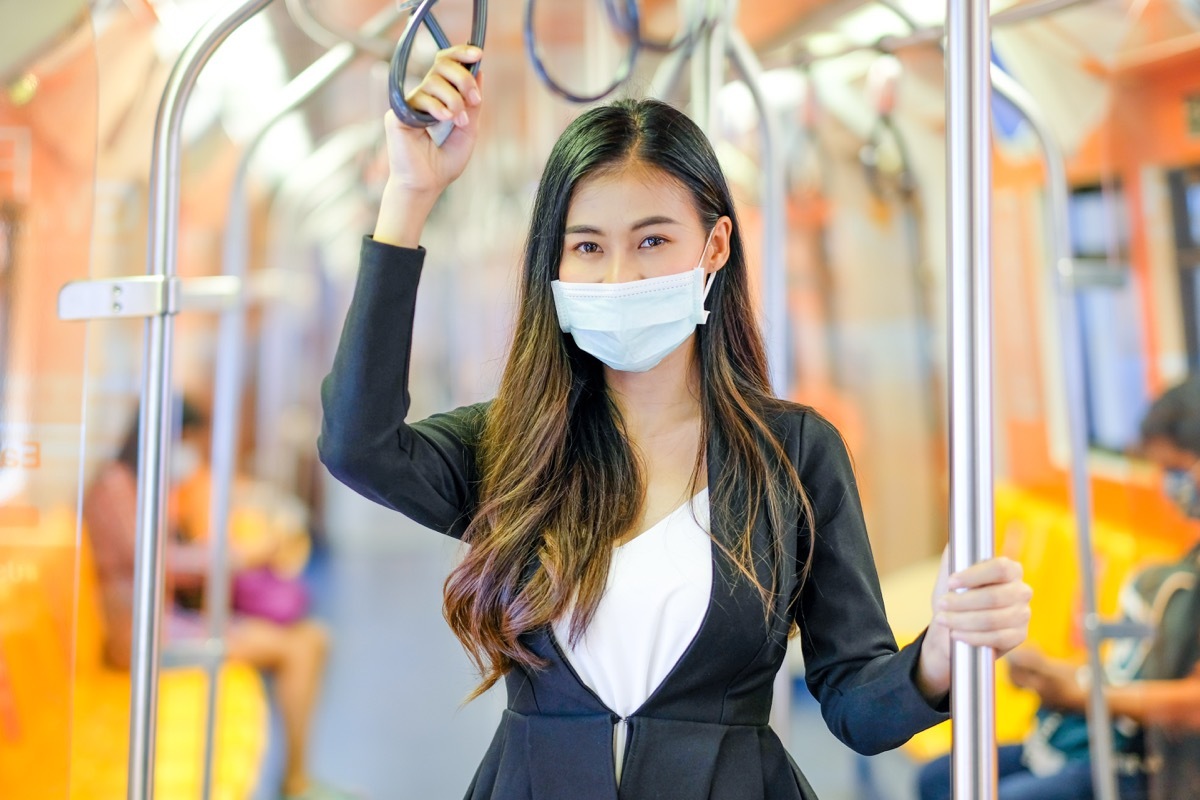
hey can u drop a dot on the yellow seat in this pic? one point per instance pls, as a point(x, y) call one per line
point(64, 716)
point(1040, 534)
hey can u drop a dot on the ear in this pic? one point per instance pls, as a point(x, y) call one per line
point(719, 246)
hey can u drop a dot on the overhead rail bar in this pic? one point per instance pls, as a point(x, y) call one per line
point(423, 15)
point(629, 24)
point(330, 35)
point(1071, 347)
point(969, 260)
point(935, 33)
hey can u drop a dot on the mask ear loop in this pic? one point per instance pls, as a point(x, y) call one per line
point(708, 284)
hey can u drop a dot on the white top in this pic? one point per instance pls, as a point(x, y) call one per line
point(653, 604)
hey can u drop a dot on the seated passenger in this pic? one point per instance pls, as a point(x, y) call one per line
point(294, 653)
point(1154, 692)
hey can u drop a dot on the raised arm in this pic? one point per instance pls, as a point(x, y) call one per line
point(426, 469)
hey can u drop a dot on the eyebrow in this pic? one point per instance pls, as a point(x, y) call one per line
point(642, 223)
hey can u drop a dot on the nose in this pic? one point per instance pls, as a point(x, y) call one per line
point(620, 269)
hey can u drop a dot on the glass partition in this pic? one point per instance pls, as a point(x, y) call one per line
point(48, 120)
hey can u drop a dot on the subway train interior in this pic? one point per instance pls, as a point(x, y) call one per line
point(193, 606)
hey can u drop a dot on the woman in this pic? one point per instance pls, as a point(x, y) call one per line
point(294, 654)
point(638, 640)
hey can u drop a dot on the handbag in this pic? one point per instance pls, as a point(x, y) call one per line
point(261, 593)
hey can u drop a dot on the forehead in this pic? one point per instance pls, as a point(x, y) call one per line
point(616, 198)
point(1168, 455)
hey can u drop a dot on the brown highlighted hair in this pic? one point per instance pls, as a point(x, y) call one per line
point(560, 484)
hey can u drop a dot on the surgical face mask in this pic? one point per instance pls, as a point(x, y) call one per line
point(1181, 488)
point(185, 462)
point(633, 326)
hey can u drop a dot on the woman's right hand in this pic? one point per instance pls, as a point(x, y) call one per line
point(449, 92)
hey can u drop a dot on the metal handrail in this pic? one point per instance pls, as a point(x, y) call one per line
point(423, 15)
point(231, 336)
point(933, 34)
point(774, 209)
point(1071, 347)
point(631, 28)
point(287, 203)
point(1071, 351)
point(154, 424)
point(972, 503)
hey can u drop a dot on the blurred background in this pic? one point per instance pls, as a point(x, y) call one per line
point(862, 145)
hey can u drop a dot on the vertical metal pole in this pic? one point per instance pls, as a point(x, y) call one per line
point(1058, 212)
point(774, 210)
point(154, 424)
point(968, 55)
point(227, 390)
point(774, 267)
point(700, 100)
point(691, 14)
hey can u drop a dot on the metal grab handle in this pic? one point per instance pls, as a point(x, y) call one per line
point(631, 29)
point(423, 16)
point(885, 129)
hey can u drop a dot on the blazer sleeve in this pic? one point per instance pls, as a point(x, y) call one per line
point(866, 686)
point(425, 470)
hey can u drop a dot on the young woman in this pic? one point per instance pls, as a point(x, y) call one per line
point(647, 524)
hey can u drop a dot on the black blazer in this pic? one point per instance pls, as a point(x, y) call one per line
point(704, 732)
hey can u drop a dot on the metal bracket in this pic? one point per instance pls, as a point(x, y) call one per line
point(193, 653)
point(146, 296)
point(1123, 630)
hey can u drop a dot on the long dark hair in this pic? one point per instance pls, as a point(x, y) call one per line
point(560, 484)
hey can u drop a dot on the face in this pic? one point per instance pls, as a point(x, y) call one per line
point(634, 224)
point(1181, 473)
point(190, 453)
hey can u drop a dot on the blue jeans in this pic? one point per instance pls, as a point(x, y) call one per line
point(1074, 782)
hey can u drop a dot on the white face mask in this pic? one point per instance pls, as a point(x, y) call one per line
point(633, 326)
point(185, 462)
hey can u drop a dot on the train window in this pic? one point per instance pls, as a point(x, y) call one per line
point(1110, 317)
point(1185, 211)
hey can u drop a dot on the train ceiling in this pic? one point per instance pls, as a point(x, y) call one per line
point(1080, 49)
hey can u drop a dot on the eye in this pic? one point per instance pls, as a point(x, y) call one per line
point(653, 241)
point(586, 248)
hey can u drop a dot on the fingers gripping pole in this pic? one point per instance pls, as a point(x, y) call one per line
point(423, 15)
point(968, 56)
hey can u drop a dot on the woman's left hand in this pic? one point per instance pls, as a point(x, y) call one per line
point(986, 605)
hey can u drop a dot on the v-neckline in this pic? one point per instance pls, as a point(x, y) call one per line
point(687, 651)
point(691, 501)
